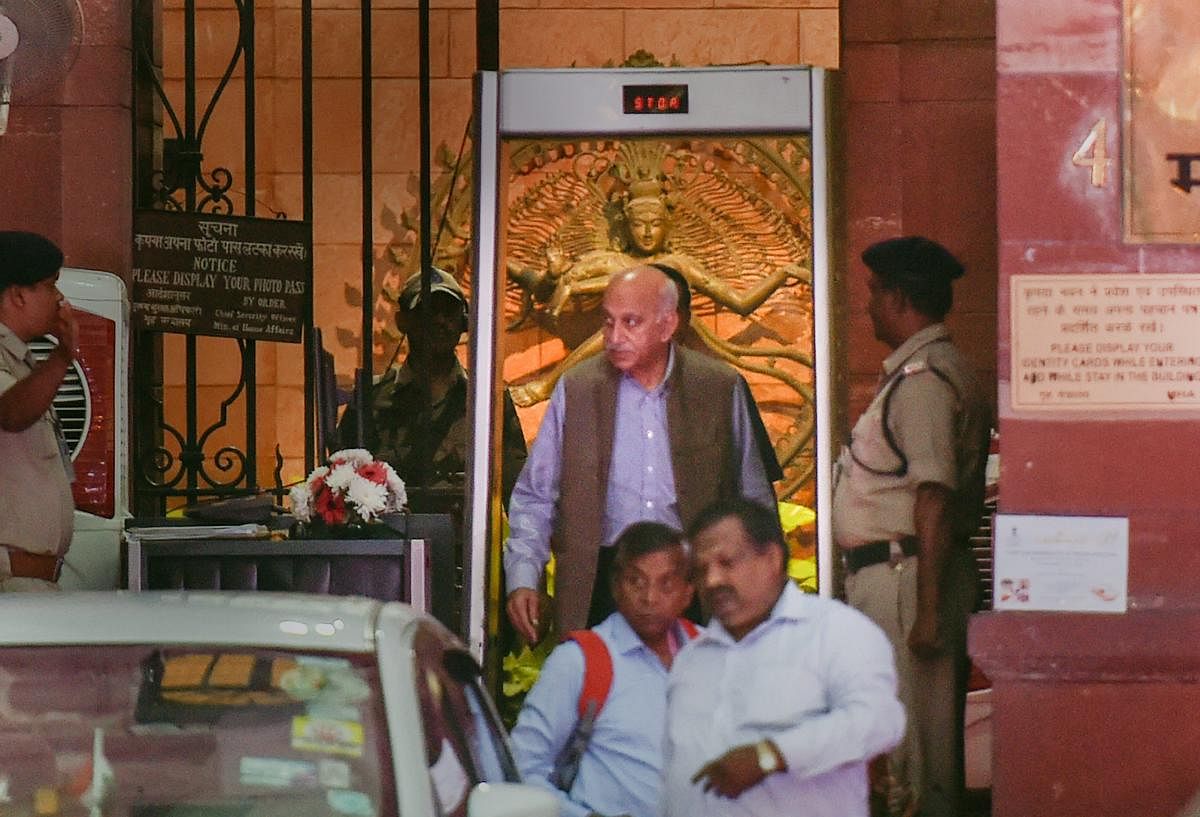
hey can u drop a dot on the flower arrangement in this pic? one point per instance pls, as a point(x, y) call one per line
point(353, 488)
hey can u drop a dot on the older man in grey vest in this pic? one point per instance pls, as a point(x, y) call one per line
point(650, 431)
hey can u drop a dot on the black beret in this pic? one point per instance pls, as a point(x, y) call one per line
point(911, 258)
point(26, 258)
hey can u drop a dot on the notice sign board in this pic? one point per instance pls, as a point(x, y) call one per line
point(229, 276)
point(1065, 563)
point(1120, 342)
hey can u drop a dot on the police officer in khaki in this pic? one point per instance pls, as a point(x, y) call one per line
point(36, 507)
point(908, 495)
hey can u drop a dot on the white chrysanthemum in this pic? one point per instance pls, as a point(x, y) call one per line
point(300, 504)
point(395, 486)
point(367, 498)
point(352, 456)
point(340, 477)
point(317, 473)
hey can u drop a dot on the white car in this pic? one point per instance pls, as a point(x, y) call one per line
point(245, 705)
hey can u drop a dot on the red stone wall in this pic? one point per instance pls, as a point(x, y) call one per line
point(65, 163)
point(1059, 73)
point(1090, 710)
point(919, 141)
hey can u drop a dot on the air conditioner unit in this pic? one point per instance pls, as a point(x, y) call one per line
point(93, 408)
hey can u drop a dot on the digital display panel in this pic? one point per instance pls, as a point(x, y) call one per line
point(654, 99)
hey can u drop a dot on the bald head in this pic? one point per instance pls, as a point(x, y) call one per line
point(650, 284)
point(639, 319)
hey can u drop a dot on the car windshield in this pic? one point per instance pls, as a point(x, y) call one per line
point(143, 731)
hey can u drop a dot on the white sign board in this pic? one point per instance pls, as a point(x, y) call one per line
point(1118, 342)
point(1063, 563)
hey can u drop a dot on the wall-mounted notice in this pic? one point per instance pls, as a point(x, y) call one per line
point(1065, 563)
point(204, 274)
point(1161, 106)
point(1119, 342)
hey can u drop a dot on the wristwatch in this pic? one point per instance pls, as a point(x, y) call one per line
point(768, 760)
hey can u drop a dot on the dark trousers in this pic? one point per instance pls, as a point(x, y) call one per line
point(603, 604)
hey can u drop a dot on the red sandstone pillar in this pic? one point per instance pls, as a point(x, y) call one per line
point(1093, 713)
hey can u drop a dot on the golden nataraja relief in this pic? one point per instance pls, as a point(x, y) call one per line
point(733, 215)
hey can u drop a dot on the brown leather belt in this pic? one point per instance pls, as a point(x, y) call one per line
point(26, 565)
point(873, 553)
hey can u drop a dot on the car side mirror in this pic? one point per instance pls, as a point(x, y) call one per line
point(511, 800)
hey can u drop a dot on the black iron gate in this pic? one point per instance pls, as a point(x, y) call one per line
point(177, 456)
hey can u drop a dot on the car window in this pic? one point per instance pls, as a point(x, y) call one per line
point(464, 742)
point(144, 731)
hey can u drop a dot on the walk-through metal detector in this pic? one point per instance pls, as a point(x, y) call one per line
point(615, 104)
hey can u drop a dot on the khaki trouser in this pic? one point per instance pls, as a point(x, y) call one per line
point(929, 758)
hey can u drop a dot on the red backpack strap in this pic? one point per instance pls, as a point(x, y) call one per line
point(689, 628)
point(597, 671)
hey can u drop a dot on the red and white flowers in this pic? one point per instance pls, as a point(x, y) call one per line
point(353, 488)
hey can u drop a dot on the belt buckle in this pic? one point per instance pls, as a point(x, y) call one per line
point(896, 555)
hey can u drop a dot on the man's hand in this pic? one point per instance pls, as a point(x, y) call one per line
point(924, 639)
point(65, 330)
point(524, 606)
point(732, 773)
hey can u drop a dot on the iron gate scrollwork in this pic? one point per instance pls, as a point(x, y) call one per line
point(176, 454)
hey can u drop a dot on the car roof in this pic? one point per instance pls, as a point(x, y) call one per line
point(283, 620)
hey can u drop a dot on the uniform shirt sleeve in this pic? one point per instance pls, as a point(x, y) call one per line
point(755, 484)
point(546, 721)
point(864, 717)
point(8, 377)
point(533, 509)
point(922, 415)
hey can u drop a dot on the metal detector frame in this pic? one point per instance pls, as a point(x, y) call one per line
point(587, 102)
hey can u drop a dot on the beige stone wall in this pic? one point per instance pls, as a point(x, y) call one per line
point(534, 33)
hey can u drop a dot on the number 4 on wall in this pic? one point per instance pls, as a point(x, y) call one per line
point(1095, 144)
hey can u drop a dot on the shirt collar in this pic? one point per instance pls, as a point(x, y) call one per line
point(626, 641)
point(935, 331)
point(792, 605)
point(664, 384)
point(10, 341)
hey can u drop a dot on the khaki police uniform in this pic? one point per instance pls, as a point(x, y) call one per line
point(928, 423)
point(37, 510)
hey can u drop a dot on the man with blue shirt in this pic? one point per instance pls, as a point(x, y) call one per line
point(779, 705)
point(619, 772)
point(648, 431)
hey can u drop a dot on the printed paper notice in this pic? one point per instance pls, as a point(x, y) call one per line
point(1064, 563)
point(1120, 342)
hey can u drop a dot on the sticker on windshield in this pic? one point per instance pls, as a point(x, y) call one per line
point(334, 774)
point(277, 773)
point(352, 803)
point(324, 681)
point(327, 735)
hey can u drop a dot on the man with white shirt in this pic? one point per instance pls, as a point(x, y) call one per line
point(778, 707)
point(650, 431)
